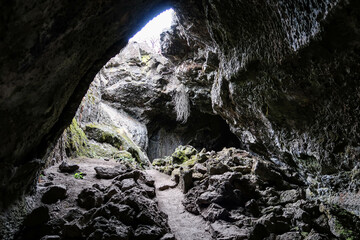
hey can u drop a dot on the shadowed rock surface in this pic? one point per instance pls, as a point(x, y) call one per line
point(122, 208)
point(282, 75)
point(241, 196)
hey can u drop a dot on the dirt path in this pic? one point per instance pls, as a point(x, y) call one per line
point(183, 224)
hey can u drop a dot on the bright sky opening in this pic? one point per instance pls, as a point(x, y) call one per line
point(154, 27)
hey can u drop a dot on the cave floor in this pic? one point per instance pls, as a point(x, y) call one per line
point(183, 224)
point(73, 186)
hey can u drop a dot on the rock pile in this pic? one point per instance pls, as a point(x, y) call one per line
point(244, 197)
point(126, 209)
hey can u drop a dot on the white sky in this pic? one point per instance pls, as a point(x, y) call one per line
point(154, 27)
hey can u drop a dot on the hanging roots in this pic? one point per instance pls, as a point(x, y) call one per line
point(182, 104)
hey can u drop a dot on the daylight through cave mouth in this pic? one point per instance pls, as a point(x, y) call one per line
point(141, 105)
point(283, 77)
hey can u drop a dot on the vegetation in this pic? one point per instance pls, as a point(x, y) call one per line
point(76, 142)
point(78, 175)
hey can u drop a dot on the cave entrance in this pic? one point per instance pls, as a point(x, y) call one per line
point(141, 106)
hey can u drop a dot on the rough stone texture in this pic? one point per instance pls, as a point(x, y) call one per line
point(255, 205)
point(140, 92)
point(284, 75)
point(54, 194)
point(108, 209)
point(286, 81)
point(68, 168)
point(51, 52)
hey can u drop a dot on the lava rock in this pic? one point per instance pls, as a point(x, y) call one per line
point(108, 173)
point(37, 217)
point(54, 194)
point(215, 212)
point(68, 168)
point(72, 230)
point(224, 230)
point(200, 168)
point(127, 184)
point(218, 168)
point(186, 181)
point(73, 214)
point(252, 207)
point(148, 232)
point(290, 236)
point(89, 198)
point(290, 196)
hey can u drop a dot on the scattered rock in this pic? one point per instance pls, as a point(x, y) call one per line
point(224, 230)
point(37, 217)
point(68, 168)
point(54, 194)
point(217, 168)
point(72, 230)
point(165, 187)
point(90, 198)
point(108, 173)
point(215, 212)
point(292, 195)
point(186, 181)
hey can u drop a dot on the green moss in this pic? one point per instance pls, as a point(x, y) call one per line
point(310, 163)
point(158, 162)
point(343, 231)
point(183, 154)
point(179, 157)
point(343, 222)
point(76, 141)
point(104, 134)
point(191, 162)
point(304, 234)
point(116, 137)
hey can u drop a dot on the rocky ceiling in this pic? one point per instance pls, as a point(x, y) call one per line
point(287, 82)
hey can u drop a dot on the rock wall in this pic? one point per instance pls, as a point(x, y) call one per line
point(286, 80)
point(50, 52)
point(141, 92)
point(287, 76)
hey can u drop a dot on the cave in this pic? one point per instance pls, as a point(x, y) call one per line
point(253, 112)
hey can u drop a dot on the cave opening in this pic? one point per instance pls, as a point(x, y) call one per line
point(138, 111)
point(141, 106)
point(283, 77)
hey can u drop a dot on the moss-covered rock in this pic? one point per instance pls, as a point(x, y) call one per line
point(118, 139)
point(183, 154)
point(158, 162)
point(343, 224)
point(190, 162)
point(76, 143)
point(104, 134)
point(105, 150)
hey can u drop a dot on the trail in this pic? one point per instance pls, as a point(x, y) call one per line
point(183, 224)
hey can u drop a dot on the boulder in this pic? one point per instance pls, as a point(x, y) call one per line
point(68, 168)
point(186, 181)
point(72, 230)
point(37, 217)
point(54, 194)
point(108, 173)
point(292, 195)
point(90, 198)
point(217, 168)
